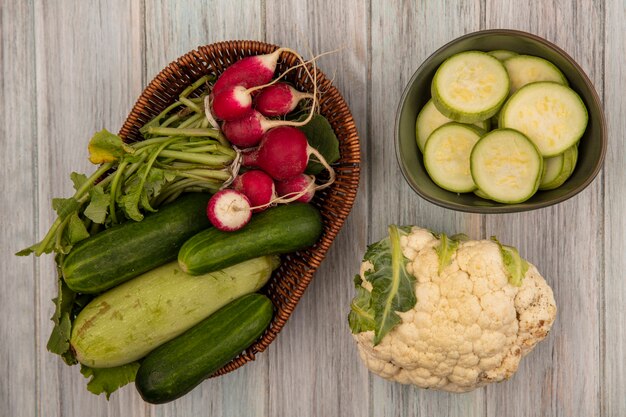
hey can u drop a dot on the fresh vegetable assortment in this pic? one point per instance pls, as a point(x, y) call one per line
point(157, 263)
point(538, 122)
point(447, 312)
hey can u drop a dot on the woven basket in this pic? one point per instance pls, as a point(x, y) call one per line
point(291, 279)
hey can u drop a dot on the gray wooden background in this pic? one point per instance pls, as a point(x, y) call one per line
point(70, 68)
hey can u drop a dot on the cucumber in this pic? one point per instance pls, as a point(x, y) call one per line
point(470, 86)
point(126, 323)
point(558, 169)
point(178, 366)
point(506, 166)
point(552, 115)
point(447, 156)
point(130, 249)
point(526, 69)
point(429, 119)
point(282, 229)
point(502, 54)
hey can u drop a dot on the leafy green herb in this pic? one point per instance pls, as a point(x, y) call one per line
point(76, 229)
point(98, 205)
point(108, 380)
point(320, 136)
point(78, 180)
point(137, 178)
point(514, 264)
point(64, 206)
point(59, 341)
point(393, 288)
point(105, 146)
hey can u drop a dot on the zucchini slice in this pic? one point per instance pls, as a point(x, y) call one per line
point(447, 156)
point(526, 69)
point(481, 194)
point(429, 119)
point(470, 86)
point(558, 169)
point(552, 115)
point(506, 166)
point(502, 54)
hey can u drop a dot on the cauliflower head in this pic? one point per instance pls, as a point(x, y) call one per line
point(471, 322)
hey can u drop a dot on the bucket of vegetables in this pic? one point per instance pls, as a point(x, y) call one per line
point(183, 255)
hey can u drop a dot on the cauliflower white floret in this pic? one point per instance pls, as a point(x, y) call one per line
point(469, 326)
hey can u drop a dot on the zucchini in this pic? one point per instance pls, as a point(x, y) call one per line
point(502, 54)
point(282, 229)
point(175, 368)
point(506, 166)
point(447, 156)
point(130, 249)
point(470, 86)
point(558, 169)
point(552, 115)
point(127, 322)
point(430, 119)
point(526, 69)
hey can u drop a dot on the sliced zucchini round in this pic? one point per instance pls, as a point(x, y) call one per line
point(526, 69)
point(558, 169)
point(481, 194)
point(506, 166)
point(502, 54)
point(429, 119)
point(552, 115)
point(470, 87)
point(446, 156)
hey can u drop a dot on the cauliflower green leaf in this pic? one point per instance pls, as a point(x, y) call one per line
point(516, 267)
point(393, 288)
point(361, 317)
point(447, 247)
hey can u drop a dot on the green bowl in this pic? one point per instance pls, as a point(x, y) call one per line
point(591, 149)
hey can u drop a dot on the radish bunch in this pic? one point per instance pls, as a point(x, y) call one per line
point(276, 152)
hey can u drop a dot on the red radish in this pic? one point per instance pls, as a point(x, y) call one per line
point(278, 99)
point(301, 186)
point(231, 103)
point(250, 71)
point(229, 210)
point(258, 187)
point(234, 101)
point(248, 130)
point(282, 153)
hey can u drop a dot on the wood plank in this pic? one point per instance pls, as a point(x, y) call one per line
point(613, 345)
point(561, 377)
point(18, 173)
point(314, 365)
point(402, 38)
point(89, 69)
point(172, 29)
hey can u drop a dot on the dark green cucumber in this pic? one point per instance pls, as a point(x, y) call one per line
point(130, 249)
point(282, 229)
point(178, 366)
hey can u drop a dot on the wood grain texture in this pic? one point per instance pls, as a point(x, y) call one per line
point(613, 342)
point(172, 29)
point(70, 68)
point(18, 171)
point(88, 63)
point(403, 35)
point(561, 377)
point(304, 378)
